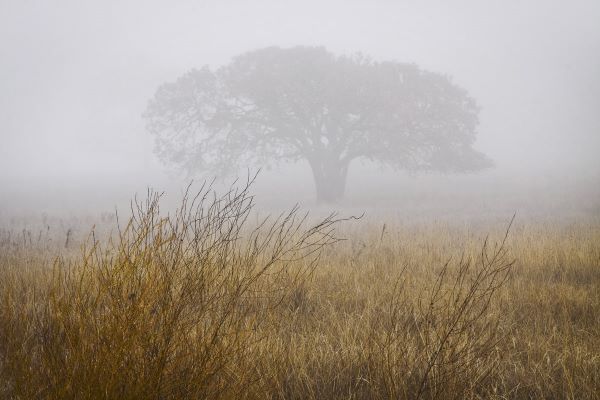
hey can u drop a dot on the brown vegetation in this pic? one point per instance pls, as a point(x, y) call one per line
point(201, 304)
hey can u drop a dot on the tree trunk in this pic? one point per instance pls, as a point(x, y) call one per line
point(330, 179)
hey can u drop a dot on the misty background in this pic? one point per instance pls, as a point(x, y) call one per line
point(76, 76)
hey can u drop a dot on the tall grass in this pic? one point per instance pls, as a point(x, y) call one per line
point(203, 304)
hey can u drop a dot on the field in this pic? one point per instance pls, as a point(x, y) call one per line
point(214, 302)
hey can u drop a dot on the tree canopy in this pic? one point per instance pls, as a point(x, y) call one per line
point(305, 103)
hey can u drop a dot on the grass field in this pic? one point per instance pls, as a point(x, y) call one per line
point(211, 303)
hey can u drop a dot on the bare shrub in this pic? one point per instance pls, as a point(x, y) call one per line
point(169, 308)
point(443, 344)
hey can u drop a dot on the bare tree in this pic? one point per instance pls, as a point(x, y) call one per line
point(305, 103)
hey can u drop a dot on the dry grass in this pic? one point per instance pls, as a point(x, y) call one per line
point(204, 304)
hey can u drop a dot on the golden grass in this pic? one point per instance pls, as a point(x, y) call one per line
point(202, 304)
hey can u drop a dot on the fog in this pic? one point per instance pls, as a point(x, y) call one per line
point(75, 78)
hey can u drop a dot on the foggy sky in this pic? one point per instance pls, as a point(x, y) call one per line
point(75, 76)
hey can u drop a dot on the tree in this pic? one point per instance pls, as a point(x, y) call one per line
point(306, 103)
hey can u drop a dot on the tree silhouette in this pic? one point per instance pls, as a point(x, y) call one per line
point(306, 103)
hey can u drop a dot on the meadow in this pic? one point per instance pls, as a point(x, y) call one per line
point(212, 301)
